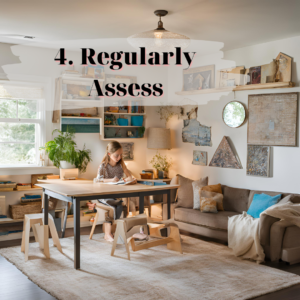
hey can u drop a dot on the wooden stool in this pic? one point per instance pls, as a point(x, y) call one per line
point(41, 233)
point(127, 227)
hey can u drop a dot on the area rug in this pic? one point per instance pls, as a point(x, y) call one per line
point(205, 271)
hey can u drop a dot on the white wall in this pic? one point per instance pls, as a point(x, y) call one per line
point(286, 162)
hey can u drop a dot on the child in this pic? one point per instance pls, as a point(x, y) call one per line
point(112, 169)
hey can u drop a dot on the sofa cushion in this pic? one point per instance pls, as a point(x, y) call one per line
point(196, 217)
point(208, 205)
point(252, 193)
point(235, 199)
point(215, 196)
point(185, 194)
point(216, 188)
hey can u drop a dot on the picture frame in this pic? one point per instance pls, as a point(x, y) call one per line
point(258, 160)
point(230, 77)
point(270, 117)
point(199, 158)
point(127, 151)
point(199, 78)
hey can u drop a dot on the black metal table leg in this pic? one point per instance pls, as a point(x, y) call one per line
point(46, 207)
point(141, 203)
point(169, 203)
point(76, 213)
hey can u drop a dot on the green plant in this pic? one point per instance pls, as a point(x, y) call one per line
point(141, 131)
point(161, 163)
point(63, 147)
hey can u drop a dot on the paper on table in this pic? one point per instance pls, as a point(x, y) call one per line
point(121, 182)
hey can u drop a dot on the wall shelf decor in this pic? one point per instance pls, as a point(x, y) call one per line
point(272, 85)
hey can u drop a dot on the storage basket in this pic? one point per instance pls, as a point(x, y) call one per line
point(122, 122)
point(19, 211)
point(137, 120)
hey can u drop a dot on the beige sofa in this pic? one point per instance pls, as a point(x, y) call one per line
point(280, 239)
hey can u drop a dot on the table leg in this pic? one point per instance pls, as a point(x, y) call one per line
point(141, 204)
point(169, 203)
point(46, 207)
point(76, 213)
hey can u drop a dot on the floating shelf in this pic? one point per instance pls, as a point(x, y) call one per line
point(77, 78)
point(71, 117)
point(273, 85)
point(23, 190)
point(121, 126)
point(80, 99)
point(137, 114)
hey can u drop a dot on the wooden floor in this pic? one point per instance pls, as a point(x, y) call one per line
point(14, 285)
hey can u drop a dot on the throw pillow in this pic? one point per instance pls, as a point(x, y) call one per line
point(215, 196)
point(208, 205)
point(196, 191)
point(185, 194)
point(260, 203)
point(216, 188)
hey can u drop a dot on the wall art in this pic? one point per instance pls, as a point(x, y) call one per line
point(225, 157)
point(194, 132)
point(273, 119)
point(199, 78)
point(258, 160)
point(199, 158)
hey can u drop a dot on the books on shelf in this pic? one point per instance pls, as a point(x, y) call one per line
point(23, 186)
point(6, 186)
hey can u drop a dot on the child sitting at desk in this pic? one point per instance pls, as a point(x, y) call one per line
point(112, 169)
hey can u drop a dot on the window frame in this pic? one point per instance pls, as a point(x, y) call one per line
point(40, 130)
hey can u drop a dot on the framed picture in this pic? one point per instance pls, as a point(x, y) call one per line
point(258, 160)
point(94, 71)
point(284, 67)
point(273, 119)
point(127, 151)
point(199, 158)
point(231, 77)
point(255, 75)
point(199, 78)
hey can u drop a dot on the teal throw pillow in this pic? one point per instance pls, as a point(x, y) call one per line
point(260, 203)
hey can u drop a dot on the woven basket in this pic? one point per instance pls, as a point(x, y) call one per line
point(19, 211)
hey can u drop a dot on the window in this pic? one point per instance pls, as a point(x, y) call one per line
point(21, 124)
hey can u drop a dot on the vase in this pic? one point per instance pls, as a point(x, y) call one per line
point(66, 165)
point(161, 174)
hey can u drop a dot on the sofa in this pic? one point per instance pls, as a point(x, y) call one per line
point(279, 239)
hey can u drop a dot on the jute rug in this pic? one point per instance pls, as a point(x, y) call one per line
point(205, 271)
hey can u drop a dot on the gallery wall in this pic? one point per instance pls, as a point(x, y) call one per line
point(285, 161)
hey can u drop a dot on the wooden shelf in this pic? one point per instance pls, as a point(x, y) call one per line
point(80, 99)
point(273, 85)
point(70, 117)
point(136, 114)
point(121, 126)
point(24, 190)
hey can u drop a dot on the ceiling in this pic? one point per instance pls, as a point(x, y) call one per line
point(236, 23)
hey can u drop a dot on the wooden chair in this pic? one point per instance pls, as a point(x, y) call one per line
point(41, 233)
point(127, 227)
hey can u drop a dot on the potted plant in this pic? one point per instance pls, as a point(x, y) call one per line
point(63, 152)
point(162, 164)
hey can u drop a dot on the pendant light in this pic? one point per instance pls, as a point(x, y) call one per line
point(159, 39)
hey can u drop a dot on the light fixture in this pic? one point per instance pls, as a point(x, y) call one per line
point(159, 138)
point(159, 39)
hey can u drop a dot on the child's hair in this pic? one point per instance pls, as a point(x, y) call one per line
point(112, 147)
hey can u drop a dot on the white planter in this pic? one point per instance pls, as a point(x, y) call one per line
point(66, 165)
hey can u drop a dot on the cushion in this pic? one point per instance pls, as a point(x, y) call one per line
point(216, 188)
point(235, 199)
point(196, 196)
point(196, 217)
point(208, 205)
point(185, 195)
point(173, 193)
point(260, 203)
point(215, 196)
point(252, 193)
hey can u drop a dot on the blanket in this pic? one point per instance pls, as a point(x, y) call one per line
point(243, 230)
point(243, 237)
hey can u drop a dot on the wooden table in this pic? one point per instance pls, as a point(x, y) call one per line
point(75, 191)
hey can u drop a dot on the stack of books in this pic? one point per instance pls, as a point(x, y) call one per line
point(7, 186)
point(31, 198)
point(23, 186)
